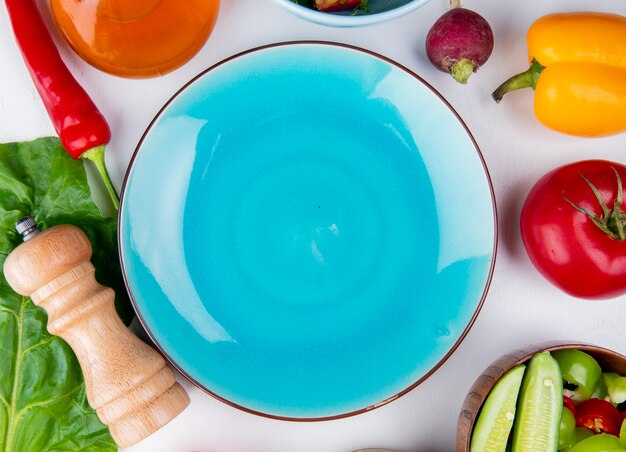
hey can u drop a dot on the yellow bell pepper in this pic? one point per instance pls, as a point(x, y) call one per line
point(578, 71)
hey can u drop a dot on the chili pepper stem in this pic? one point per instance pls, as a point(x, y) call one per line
point(526, 79)
point(96, 155)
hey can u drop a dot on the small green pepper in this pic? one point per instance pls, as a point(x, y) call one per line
point(616, 386)
point(599, 443)
point(581, 373)
point(580, 434)
point(622, 432)
point(567, 429)
point(601, 391)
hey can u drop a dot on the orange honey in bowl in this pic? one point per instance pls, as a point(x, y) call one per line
point(135, 38)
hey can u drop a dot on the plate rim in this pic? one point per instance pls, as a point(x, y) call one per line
point(440, 362)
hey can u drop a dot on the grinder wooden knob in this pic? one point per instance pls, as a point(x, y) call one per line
point(127, 382)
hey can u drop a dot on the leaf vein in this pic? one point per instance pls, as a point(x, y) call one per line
point(12, 421)
point(38, 344)
point(30, 406)
point(10, 312)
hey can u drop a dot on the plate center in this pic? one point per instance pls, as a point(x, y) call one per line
point(295, 215)
point(306, 232)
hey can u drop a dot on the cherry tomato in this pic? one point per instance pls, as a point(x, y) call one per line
point(598, 416)
point(573, 226)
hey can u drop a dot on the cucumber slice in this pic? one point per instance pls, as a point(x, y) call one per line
point(495, 420)
point(540, 405)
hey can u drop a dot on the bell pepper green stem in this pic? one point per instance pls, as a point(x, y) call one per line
point(96, 155)
point(526, 79)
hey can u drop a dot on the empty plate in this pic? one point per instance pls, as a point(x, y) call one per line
point(307, 230)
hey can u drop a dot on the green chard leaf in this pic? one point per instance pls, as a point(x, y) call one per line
point(42, 394)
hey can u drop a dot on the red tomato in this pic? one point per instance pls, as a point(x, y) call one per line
point(584, 257)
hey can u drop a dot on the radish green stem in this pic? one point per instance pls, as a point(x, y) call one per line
point(455, 4)
point(461, 70)
point(96, 155)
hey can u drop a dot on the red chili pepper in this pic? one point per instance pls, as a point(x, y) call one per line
point(78, 122)
point(569, 404)
point(598, 416)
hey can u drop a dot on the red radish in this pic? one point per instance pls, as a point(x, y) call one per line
point(459, 42)
point(336, 5)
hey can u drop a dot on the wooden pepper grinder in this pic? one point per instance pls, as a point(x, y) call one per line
point(127, 382)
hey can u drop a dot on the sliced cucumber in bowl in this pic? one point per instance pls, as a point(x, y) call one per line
point(540, 406)
point(494, 423)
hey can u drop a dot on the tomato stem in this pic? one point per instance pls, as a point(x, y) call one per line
point(612, 221)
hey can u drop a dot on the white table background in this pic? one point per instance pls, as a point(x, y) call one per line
point(521, 307)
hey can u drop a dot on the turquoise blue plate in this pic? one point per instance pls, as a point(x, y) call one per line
point(307, 230)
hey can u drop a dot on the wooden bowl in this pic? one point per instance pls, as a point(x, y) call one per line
point(608, 360)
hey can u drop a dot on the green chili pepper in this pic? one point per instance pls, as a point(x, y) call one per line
point(622, 432)
point(567, 429)
point(601, 391)
point(616, 386)
point(580, 434)
point(599, 443)
point(581, 373)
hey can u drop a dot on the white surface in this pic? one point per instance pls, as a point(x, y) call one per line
point(521, 307)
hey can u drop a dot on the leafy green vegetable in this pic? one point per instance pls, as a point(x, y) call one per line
point(42, 394)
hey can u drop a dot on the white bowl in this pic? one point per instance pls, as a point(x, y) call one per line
point(379, 11)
